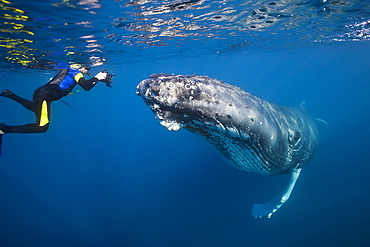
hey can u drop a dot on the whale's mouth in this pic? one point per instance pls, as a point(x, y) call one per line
point(168, 119)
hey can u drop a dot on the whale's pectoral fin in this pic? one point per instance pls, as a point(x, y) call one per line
point(267, 209)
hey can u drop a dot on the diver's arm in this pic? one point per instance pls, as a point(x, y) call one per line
point(89, 84)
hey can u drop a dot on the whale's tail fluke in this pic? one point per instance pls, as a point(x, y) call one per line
point(268, 208)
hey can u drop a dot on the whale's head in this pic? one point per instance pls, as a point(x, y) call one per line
point(195, 103)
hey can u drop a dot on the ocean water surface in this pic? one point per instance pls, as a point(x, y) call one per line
point(106, 173)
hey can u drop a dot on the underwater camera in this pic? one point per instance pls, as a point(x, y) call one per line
point(108, 79)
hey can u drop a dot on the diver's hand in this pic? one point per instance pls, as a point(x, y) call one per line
point(101, 76)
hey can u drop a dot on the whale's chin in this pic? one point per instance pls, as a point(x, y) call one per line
point(171, 124)
point(168, 123)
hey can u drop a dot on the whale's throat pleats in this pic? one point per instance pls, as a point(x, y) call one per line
point(238, 150)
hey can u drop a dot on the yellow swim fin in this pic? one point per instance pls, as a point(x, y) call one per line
point(44, 119)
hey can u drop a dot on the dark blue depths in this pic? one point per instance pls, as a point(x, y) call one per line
point(107, 174)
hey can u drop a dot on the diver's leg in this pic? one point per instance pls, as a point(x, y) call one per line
point(25, 129)
point(26, 103)
point(42, 111)
point(2, 125)
point(41, 125)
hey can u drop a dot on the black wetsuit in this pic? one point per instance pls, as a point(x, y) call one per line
point(61, 85)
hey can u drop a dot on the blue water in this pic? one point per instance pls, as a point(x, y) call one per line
point(106, 173)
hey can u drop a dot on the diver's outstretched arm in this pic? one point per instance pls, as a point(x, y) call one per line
point(267, 209)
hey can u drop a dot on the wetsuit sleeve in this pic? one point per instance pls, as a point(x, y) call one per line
point(85, 84)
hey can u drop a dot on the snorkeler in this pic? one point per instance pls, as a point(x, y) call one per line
point(59, 86)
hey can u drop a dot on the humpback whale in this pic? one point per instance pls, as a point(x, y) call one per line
point(251, 134)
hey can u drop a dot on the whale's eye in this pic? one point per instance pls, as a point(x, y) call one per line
point(294, 136)
point(297, 135)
